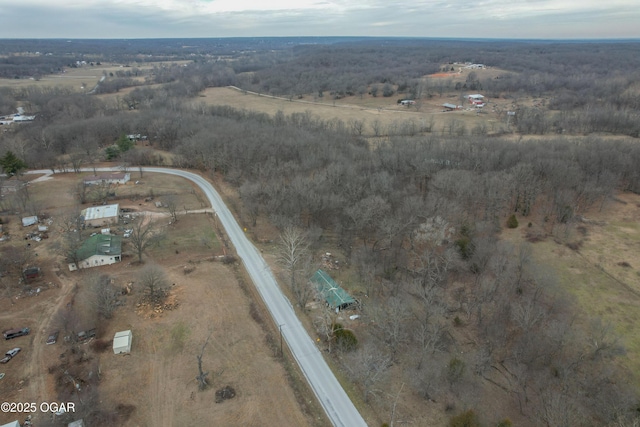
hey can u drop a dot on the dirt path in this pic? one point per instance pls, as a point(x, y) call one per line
point(162, 398)
point(37, 371)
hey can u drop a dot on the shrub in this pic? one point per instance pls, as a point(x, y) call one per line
point(465, 419)
point(512, 222)
point(465, 247)
point(345, 338)
point(505, 423)
point(455, 370)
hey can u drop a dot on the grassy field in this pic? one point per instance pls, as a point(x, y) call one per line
point(603, 276)
point(386, 111)
point(428, 112)
point(84, 78)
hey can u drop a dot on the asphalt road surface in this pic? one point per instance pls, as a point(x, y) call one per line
point(326, 387)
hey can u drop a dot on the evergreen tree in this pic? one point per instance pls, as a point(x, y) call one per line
point(11, 164)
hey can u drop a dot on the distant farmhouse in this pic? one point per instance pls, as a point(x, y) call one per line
point(450, 107)
point(476, 100)
point(16, 118)
point(406, 102)
point(99, 216)
point(111, 178)
point(98, 250)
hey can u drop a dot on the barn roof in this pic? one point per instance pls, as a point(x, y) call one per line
point(100, 244)
point(99, 212)
point(335, 296)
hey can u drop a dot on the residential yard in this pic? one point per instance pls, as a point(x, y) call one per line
point(209, 302)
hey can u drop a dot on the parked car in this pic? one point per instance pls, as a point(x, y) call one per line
point(15, 333)
point(85, 335)
point(53, 337)
point(10, 355)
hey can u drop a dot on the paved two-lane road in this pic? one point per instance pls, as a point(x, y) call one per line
point(328, 390)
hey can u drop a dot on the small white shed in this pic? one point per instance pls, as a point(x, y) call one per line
point(77, 423)
point(12, 424)
point(27, 221)
point(122, 342)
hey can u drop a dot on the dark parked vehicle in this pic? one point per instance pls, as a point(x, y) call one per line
point(86, 335)
point(10, 355)
point(53, 337)
point(15, 333)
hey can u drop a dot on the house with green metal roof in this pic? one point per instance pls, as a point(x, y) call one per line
point(336, 297)
point(98, 250)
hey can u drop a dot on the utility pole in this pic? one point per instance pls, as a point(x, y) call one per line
point(280, 327)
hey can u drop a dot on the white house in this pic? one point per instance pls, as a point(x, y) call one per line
point(98, 250)
point(111, 178)
point(99, 216)
point(122, 342)
point(476, 98)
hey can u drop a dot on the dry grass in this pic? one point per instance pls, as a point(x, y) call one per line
point(158, 378)
point(74, 78)
point(596, 274)
point(367, 109)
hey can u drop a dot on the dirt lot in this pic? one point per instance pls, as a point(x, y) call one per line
point(155, 385)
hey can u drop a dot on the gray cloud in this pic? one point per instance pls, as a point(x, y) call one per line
point(418, 18)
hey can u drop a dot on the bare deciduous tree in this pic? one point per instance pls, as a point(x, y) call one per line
point(171, 205)
point(103, 296)
point(202, 376)
point(153, 281)
point(144, 235)
point(293, 255)
point(368, 367)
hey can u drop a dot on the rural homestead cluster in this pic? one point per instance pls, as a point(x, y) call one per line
point(102, 247)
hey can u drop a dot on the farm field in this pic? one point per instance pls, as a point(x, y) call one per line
point(155, 385)
point(83, 78)
point(428, 112)
point(386, 111)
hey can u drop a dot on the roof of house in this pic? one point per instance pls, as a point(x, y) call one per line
point(100, 244)
point(330, 290)
point(452, 106)
point(107, 177)
point(99, 212)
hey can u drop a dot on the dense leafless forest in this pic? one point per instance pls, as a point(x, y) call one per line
point(459, 316)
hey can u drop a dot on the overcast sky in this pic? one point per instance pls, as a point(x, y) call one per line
point(250, 18)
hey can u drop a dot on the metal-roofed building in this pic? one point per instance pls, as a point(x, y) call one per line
point(107, 178)
point(98, 250)
point(99, 216)
point(336, 297)
point(122, 342)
